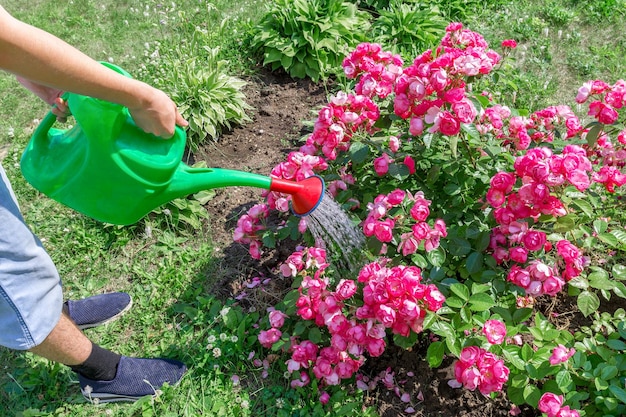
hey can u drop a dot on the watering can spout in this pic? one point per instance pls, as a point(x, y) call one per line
point(109, 169)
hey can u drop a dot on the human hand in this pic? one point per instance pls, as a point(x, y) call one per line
point(49, 95)
point(157, 113)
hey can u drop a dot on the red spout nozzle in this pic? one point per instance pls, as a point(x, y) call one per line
point(306, 195)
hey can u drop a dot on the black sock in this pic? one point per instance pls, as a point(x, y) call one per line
point(101, 365)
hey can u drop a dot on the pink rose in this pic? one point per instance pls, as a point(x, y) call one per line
point(509, 43)
point(449, 125)
point(561, 354)
point(325, 397)
point(503, 181)
point(383, 230)
point(394, 144)
point(550, 404)
point(267, 338)
point(495, 331)
point(518, 254)
point(277, 319)
point(381, 164)
point(464, 111)
point(416, 126)
point(410, 163)
point(345, 289)
point(534, 240)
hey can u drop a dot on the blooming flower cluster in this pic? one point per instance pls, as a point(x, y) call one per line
point(393, 298)
point(477, 368)
point(337, 122)
point(606, 99)
point(541, 173)
point(382, 218)
point(248, 227)
point(520, 131)
point(552, 405)
point(432, 92)
point(380, 69)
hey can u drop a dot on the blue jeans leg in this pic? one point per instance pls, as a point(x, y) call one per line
point(31, 297)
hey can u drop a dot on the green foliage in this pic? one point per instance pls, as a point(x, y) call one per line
point(210, 99)
point(408, 29)
point(309, 38)
point(600, 11)
point(557, 15)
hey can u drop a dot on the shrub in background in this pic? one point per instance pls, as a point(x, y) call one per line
point(309, 38)
point(408, 29)
point(198, 80)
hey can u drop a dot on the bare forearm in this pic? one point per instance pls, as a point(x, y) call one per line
point(39, 56)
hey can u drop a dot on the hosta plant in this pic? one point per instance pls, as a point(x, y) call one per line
point(309, 38)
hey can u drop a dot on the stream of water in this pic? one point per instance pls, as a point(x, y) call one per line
point(334, 231)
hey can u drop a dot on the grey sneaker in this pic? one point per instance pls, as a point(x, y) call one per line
point(135, 378)
point(99, 309)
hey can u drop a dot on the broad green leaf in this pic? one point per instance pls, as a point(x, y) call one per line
point(618, 392)
point(481, 302)
point(566, 223)
point(453, 142)
point(619, 271)
point(600, 281)
point(452, 189)
point(619, 289)
point(437, 256)
point(474, 262)
point(609, 239)
point(454, 302)
point(532, 395)
point(522, 314)
point(315, 335)
point(435, 353)
point(579, 282)
point(461, 290)
point(359, 152)
point(600, 384)
point(398, 171)
point(405, 342)
point(459, 247)
point(600, 226)
point(620, 235)
point(584, 206)
point(512, 355)
point(593, 133)
point(588, 303)
point(563, 380)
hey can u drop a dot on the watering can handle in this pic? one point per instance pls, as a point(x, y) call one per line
point(49, 119)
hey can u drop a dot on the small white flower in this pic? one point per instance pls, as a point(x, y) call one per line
point(217, 352)
point(245, 404)
point(234, 339)
point(223, 337)
point(211, 338)
point(224, 311)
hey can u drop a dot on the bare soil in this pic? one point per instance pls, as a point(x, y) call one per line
point(281, 106)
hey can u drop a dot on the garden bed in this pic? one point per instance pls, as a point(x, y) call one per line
point(281, 105)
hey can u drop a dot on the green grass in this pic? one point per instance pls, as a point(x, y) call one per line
point(167, 270)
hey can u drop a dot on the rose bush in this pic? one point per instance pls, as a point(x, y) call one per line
point(472, 211)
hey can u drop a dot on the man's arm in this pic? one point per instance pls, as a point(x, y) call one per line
point(41, 57)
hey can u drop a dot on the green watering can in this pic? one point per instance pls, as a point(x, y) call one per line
point(109, 169)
